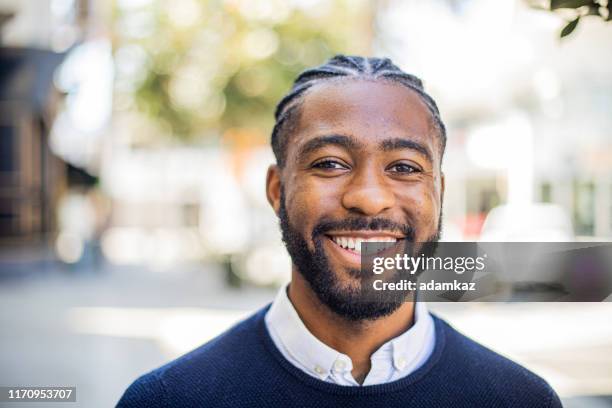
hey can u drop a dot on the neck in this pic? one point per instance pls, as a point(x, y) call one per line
point(357, 339)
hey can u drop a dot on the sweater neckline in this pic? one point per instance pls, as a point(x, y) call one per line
point(336, 389)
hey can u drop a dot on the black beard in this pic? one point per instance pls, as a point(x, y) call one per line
point(349, 302)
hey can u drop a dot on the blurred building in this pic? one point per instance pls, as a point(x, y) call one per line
point(35, 39)
point(528, 114)
point(31, 177)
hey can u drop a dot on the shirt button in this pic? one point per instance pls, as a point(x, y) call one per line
point(401, 363)
point(339, 365)
point(319, 370)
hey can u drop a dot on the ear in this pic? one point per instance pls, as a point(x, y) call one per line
point(273, 187)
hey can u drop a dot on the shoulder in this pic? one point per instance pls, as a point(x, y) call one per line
point(146, 391)
point(195, 374)
point(482, 368)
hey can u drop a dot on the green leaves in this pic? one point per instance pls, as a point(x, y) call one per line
point(558, 4)
point(581, 8)
point(214, 69)
point(567, 30)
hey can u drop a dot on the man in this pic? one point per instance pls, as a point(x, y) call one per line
point(359, 146)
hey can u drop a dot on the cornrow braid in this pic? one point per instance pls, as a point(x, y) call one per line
point(338, 68)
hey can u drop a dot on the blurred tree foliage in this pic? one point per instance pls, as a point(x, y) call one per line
point(198, 69)
point(577, 9)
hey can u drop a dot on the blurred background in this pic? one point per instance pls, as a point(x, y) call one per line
point(134, 140)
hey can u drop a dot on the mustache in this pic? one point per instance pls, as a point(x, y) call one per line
point(360, 223)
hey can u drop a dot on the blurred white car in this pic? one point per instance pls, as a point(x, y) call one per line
point(538, 222)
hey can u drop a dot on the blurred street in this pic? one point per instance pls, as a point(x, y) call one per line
point(99, 327)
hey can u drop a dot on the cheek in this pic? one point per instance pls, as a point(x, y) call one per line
point(314, 195)
point(308, 201)
point(423, 203)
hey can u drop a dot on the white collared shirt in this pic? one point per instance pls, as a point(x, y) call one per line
point(395, 359)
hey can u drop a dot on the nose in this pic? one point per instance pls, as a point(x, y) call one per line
point(368, 194)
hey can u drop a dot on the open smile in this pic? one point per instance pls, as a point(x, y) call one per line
point(348, 245)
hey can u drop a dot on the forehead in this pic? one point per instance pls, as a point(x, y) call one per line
point(365, 109)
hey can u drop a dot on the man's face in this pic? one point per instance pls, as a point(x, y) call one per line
point(363, 163)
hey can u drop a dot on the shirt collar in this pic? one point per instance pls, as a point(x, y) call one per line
point(408, 346)
point(309, 351)
point(319, 358)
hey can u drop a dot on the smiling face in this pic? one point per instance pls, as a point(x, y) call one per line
point(363, 163)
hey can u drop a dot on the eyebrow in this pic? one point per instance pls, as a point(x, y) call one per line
point(400, 143)
point(348, 142)
point(310, 146)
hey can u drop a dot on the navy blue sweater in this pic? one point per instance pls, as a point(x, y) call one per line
point(243, 368)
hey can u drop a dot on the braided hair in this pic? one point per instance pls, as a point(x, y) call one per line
point(344, 67)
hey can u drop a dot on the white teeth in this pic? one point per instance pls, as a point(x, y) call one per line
point(351, 243)
point(355, 243)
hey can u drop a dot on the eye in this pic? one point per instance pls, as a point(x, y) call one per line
point(403, 168)
point(330, 165)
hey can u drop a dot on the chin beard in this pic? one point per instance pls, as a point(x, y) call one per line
point(353, 302)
